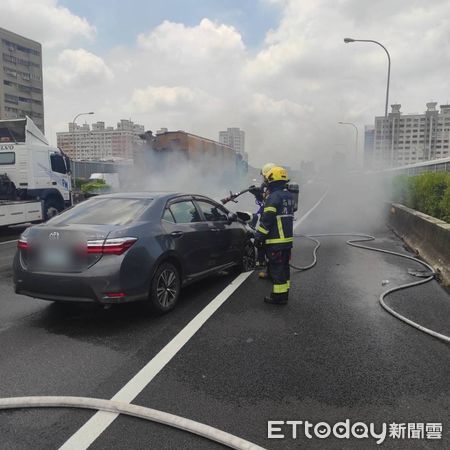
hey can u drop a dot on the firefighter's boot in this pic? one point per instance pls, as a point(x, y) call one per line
point(277, 299)
point(263, 274)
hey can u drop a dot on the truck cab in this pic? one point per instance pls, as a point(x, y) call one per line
point(31, 169)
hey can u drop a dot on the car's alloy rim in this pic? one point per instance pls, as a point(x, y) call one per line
point(166, 288)
point(248, 258)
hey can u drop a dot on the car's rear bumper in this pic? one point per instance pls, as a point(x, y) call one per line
point(77, 299)
point(98, 284)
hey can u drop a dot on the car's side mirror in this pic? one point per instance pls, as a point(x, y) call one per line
point(232, 217)
point(244, 216)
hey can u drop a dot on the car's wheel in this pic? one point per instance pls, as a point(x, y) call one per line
point(248, 258)
point(165, 288)
point(51, 208)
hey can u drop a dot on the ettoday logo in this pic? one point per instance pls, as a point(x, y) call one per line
point(280, 429)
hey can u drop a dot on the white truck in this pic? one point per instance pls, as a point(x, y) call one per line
point(35, 179)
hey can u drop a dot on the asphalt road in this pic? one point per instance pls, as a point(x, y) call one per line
point(331, 354)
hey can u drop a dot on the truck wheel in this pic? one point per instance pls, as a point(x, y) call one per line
point(165, 288)
point(51, 208)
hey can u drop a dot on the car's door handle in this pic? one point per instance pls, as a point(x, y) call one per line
point(214, 229)
point(176, 234)
point(54, 183)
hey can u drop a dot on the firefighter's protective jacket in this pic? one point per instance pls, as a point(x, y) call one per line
point(277, 220)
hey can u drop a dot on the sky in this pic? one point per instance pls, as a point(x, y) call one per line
point(278, 69)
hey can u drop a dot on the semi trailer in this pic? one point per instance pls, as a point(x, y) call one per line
point(178, 148)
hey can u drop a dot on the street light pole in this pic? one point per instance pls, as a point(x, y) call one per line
point(74, 139)
point(356, 138)
point(349, 40)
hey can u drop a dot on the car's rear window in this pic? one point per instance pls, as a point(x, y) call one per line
point(104, 211)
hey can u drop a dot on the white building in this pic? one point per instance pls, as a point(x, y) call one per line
point(410, 138)
point(98, 142)
point(235, 138)
point(21, 90)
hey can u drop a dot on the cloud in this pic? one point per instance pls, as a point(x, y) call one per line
point(288, 93)
point(164, 97)
point(44, 21)
point(78, 68)
point(205, 40)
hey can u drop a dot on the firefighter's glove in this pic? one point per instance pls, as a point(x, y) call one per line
point(259, 243)
point(257, 192)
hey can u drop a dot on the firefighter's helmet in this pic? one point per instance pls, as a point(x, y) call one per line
point(277, 173)
point(266, 168)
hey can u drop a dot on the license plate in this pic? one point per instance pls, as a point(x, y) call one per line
point(54, 257)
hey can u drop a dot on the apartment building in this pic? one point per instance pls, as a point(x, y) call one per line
point(99, 142)
point(21, 89)
point(403, 139)
point(234, 137)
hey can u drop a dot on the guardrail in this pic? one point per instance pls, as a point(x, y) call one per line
point(427, 236)
point(434, 165)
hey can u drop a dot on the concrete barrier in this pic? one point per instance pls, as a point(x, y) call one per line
point(427, 236)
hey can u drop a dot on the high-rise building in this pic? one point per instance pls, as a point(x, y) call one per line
point(21, 90)
point(98, 142)
point(369, 140)
point(234, 137)
point(410, 138)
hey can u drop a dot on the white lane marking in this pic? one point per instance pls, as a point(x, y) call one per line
point(8, 242)
point(304, 217)
point(98, 423)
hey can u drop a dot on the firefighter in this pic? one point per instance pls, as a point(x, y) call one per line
point(260, 193)
point(275, 233)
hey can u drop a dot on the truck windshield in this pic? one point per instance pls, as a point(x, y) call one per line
point(12, 130)
point(104, 211)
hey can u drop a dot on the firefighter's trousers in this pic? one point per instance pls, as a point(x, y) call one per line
point(278, 267)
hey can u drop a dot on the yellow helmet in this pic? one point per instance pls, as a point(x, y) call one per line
point(277, 173)
point(266, 168)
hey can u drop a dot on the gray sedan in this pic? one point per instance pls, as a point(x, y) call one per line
point(120, 248)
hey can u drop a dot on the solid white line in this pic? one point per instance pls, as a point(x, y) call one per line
point(8, 242)
point(98, 423)
point(304, 217)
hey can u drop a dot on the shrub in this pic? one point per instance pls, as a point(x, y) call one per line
point(95, 187)
point(445, 205)
point(428, 193)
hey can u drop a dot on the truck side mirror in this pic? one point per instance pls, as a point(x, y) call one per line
point(68, 167)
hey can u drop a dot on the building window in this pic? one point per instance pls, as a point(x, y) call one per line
point(9, 83)
point(10, 72)
point(9, 58)
point(11, 99)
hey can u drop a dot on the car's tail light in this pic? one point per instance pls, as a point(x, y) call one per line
point(95, 246)
point(117, 246)
point(22, 243)
point(113, 246)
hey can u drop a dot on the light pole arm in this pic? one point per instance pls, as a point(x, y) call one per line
point(76, 117)
point(389, 69)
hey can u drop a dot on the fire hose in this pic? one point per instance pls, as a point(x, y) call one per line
point(366, 238)
point(141, 412)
